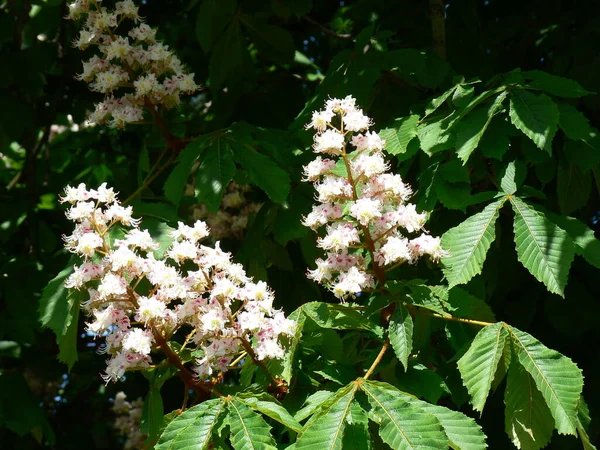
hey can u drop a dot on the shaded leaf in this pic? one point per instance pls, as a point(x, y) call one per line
point(339, 317)
point(214, 174)
point(470, 130)
point(528, 421)
point(400, 333)
point(536, 116)
point(573, 187)
point(555, 85)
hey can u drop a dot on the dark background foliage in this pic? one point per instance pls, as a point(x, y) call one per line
point(265, 65)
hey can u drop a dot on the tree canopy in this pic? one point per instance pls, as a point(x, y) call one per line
point(485, 110)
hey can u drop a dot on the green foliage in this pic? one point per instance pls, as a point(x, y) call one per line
point(468, 138)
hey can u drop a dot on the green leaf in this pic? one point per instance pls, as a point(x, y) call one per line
point(400, 333)
point(214, 174)
point(289, 358)
point(583, 237)
point(557, 378)
point(249, 431)
point(470, 130)
point(152, 413)
point(555, 85)
point(543, 248)
point(478, 366)
point(398, 137)
point(462, 431)
point(325, 430)
point(270, 407)
point(59, 311)
point(213, 17)
point(312, 403)
point(576, 126)
point(573, 187)
point(462, 96)
point(175, 184)
point(507, 182)
point(454, 172)
point(536, 116)
point(229, 60)
point(495, 142)
point(339, 317)
point(356, 432)
point(435, 103)
point(160, 232)
point(263, 172)
point(468, 244)
point(193, 429)
point(434, 137)
point(528, 421)
point(67, 343)
point(403, 427)
point(273, 43)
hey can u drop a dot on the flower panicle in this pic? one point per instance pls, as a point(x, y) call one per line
point(186, 285)
point(370, 226)
point(133, 71)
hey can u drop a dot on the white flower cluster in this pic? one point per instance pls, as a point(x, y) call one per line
point(137, 298)
point(128, 420)
point(231, 220)
point(364, 209)
point(135, 61)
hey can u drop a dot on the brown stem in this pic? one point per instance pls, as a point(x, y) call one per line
point(386, 344)
point(150, 179)
point(438, 27)
point(258, 362)
point(327, 30)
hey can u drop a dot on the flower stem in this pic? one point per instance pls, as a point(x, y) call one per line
point(386, 344)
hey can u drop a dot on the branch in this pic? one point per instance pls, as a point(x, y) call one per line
point(327, 30)
point(438, 27)
point(386, 344)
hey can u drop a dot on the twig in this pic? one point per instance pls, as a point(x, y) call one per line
point(386, 344)
point(327, 30)
point(419, 310)
point(150, 179)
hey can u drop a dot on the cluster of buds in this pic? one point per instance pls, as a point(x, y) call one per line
point(363, 207)
point(128, 420)
point(134, 71)
point(139, 298)
point(231, 220)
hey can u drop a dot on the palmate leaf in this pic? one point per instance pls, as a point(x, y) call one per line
point(534, 115)
point(356, 433)
point(468, 244)
point(557, 378)
point(403, 426)
point(270, 407)
point(462, 431)
point(339, 317)
point(528, 421)
point(325, 429)
point(249, 431)
point(478, 366)
point(542, 247)
point(192, 430)
point(400, 333)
